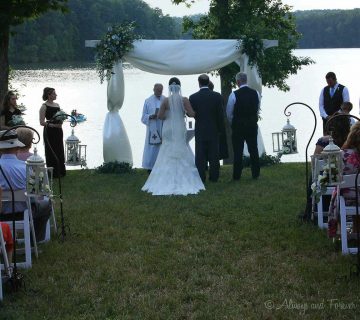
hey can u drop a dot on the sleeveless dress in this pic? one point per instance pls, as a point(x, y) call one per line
point(54, 141)
point(7, 114)
point(174, 172)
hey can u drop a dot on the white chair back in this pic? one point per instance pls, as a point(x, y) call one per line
point(26, 225)
point(347, 209)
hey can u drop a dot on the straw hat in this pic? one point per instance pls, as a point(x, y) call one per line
point(9, 140)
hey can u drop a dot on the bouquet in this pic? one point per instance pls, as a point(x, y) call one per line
point(16, 120)
point(59, 117)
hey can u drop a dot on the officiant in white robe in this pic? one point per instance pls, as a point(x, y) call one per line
point(153, 127)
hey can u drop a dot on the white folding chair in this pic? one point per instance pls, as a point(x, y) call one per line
point(26, 225)
point(5, 265)
point(346, 209)
point(50, 178)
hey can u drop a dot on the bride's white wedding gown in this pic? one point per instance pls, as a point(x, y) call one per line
point(174, 172)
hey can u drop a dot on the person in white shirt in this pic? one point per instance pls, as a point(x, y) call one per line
point(242, 111)
point(153, 127)
point(331, 97)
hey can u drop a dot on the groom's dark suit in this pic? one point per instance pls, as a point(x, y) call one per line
point(209, 124)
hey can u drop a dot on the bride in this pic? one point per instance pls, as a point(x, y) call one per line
point(174, 172)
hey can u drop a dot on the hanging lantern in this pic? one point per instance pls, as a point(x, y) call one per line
point(332, 166)
point(37, 181)
point(285, 142)
point(75, 152)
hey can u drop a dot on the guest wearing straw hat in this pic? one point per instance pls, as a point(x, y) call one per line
point(15, 171)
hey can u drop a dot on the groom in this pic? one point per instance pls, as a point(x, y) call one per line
point(209, 117)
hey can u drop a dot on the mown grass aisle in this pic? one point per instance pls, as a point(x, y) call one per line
point(235, 251)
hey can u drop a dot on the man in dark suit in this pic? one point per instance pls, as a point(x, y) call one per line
point(209, 125)
point(331, 98)
point(242, 112)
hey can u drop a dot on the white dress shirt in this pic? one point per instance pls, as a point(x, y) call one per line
point(231, 103)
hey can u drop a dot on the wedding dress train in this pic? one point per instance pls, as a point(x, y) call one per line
point(174, 172)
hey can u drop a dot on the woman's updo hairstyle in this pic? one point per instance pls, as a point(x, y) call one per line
point(174, 80)
point(47, 92)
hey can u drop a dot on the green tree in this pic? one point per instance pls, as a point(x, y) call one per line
point(12, 13)
point(252, 21)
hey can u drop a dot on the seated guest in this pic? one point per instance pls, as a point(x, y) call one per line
point(15, 171)
point(25, 136)
point(351, 161)
point(346, 108)
point(339, 129)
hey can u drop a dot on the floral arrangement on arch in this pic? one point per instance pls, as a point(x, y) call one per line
point(118, 40)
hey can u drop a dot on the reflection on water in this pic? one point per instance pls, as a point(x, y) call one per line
point(78, 87)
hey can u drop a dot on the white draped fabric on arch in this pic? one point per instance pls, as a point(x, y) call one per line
point(169, 57)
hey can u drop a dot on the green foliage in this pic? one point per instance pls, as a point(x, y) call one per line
point(329, 28)
point(86, 20)
point(118, 40)
point(253, 21)
point(265, 160)
point(14, 12)
point(115, 167)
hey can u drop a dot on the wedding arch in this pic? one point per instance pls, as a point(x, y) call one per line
point(167, 57)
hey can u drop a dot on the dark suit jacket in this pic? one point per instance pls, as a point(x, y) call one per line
point(209, 114)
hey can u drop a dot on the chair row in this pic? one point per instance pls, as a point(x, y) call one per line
point(24, 231)
point(347, 209)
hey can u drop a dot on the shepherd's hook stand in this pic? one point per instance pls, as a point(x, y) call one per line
point(65, 228)
point(288, 114)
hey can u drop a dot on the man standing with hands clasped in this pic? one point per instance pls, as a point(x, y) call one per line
point(242, 112)
point(153, 127)
point(331, 97)
point(209, 125)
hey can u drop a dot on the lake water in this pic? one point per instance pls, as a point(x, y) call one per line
point(79, 88)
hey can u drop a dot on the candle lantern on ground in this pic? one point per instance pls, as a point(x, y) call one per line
point(285, 142)
point(37, 181)
point(75, 152)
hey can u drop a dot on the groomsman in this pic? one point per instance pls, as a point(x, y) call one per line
point(209, 124)
point(242, 112)
point(153, 127)
point(331, 97)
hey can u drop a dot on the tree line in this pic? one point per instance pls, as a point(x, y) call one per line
point(55, 36)
point(60, 37)
point(329, 28)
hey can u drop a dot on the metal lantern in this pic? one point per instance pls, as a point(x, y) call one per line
point(333, 164)
point(285, 141)
point(75, 152)
point(37, 181)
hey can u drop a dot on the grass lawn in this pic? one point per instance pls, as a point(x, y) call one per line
point(235, 251)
